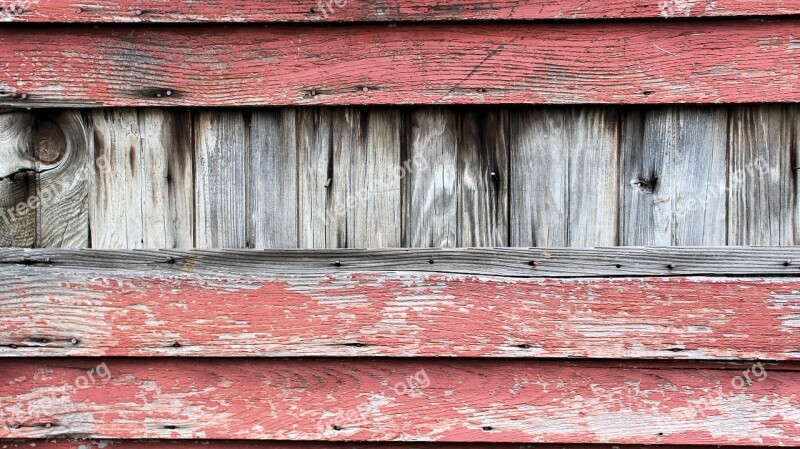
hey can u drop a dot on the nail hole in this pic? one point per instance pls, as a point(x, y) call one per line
point(176, 345)
point(337, 263)
point(524, 346)
point(171, 260)
point(170, 427)
point(787, 263)
point(533, 263)
point(74, 341)
point(619, 266)
point(337, 428)
point(671, 266)
point(487, 428)
point(647, 92)
point(430, 261)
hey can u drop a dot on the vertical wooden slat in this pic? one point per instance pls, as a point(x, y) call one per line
point(431, 198)
point(272, 180)
point(564, 167)
point(484, 178)
point(63, 149)
point(17, 183)
point(673, 177)
point(377, 177)
point(315, 175)
point(141, 194)
point(115, 150)
point(761, 176)
point(347, 140)
point(221, 146)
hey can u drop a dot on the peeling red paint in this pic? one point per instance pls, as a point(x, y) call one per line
point(404, 314)
point(543, 63)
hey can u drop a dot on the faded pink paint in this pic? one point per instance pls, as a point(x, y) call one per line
point(404, 314)
point(393, 10)
point(595, 62)
point(474, 401)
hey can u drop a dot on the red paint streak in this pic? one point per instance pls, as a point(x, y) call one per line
point(397, 10)
point(465, 401)
point(406, 314)
point(597, 62)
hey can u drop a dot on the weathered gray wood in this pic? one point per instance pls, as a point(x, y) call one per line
point(484, 175)
point(63, 147)
point(762, 197)
point(17, 180)
point(314, 176)
point(346, 142)
point(564, 166)
point(673, 177)
point(431, 190)
point(272, 179)
point(141, 194)
point(511, 262)
point(377, 177)
point(221, 148)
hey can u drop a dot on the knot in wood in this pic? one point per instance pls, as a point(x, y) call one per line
point(50, 143)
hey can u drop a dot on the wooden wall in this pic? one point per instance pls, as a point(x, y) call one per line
point(342, 177)
point(187, 189)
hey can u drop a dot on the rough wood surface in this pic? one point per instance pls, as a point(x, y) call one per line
point(221, 163)
point(431, 188)
point(272, 179)
point(17, 180)
point(564, 167)
point(484, 178)
point(236, 11)
point(384, 303)
point(673, 183)
point(245, 444)
point(141, 179)
point(574, 63)
point(761, 174)
point(419, 400)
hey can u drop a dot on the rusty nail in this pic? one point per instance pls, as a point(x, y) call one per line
point(13, 346)
point(47, 425)
point(74, 341)
point(313, 92)
point(158, 95)
point(169, 92)
point(78, 10)
point(337, 263)
point(137, 12)
point(788, 262)
point(327, 183)
point(23, 96)
point(365, 89)
point(170, 260)
point(671, 266)
point(44, 340)
point(533, 263)
point(176, 345)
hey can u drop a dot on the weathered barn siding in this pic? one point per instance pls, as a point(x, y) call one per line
point(391, 177)
point(531, 123)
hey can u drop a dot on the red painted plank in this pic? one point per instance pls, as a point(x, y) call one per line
point(402, 400)
point(615, 62)
point(368, 10)
point(68, 312)
point(241, 444)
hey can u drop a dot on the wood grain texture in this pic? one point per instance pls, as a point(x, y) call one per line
point(575, 63)
point(244, 444)
point(239, 304)
point(272, 179)
point(59, 11)
point(63, 147)
point(564, 163)
point(761, 174)
point(484, 178)
point(221, 150)
point(431, 189)
point(421, 400)
point(673, 184)
point(141, 179)
point(17, 180)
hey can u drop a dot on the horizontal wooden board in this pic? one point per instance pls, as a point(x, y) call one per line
point(587, 62)
point(249, 444)
point(402, 400)
point(181, 306)
point(236, 11)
